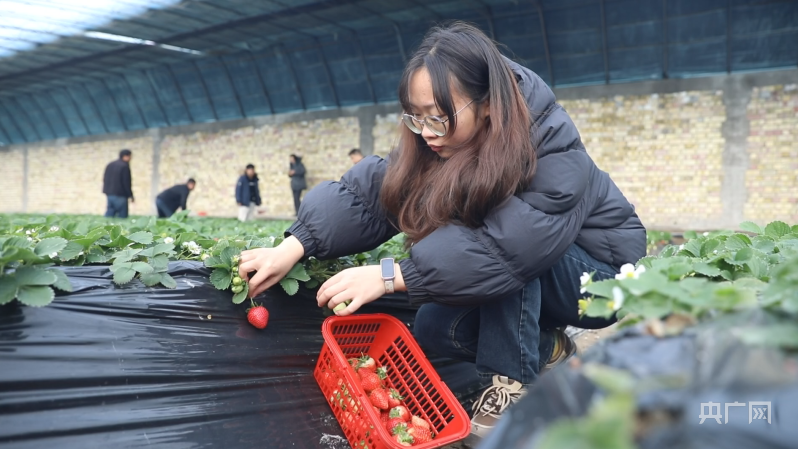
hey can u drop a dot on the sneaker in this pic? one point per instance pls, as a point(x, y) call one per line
point(492, 403)
point(566, 349)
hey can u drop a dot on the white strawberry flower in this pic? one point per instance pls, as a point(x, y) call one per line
point(53, 255)
point(54, 228)
point(681, 247)
point(706, 234)
point(168, 240)
point(617, 298)
point(205, 256)
point(628, 271)
point(585, 280)
point(29, 232)
point(80, 253)
point(30, 239)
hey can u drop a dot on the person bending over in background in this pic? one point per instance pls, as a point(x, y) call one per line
point(117, 185)
point(355, 156)
point(501, 205)
point(173, 198)
point(247, 193)
point(297, 174)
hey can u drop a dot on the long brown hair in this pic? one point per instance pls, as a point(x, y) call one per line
point(424, 191)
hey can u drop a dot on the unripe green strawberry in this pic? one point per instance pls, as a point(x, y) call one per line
point(237, 280)
point(238, 288)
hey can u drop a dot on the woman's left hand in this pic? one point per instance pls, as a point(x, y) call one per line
point(362, 285)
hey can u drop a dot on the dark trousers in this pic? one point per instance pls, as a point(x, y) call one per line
point(117, 206)
point(297, 194)
point(513, 336)
point(163, 210)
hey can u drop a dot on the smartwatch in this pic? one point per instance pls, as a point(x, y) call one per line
point(388, 274)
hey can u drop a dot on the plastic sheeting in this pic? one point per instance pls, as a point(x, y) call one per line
point(132, 366)
point(700, 366)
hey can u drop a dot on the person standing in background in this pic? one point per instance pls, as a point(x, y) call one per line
point(298, 183)
point(355, 156)
point(247, 193)
point(173, 198)
point(117, 185)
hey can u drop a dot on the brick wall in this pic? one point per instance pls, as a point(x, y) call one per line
point(216, 160)
point(69, 178)
point(12, 173)
point(772, 176)
point(665, 151)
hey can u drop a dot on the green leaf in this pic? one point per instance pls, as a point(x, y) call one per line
point(291, 286)
point(168, 281)
point(690, 235)
point(602, 288)
point(777, 229)
point(16, 242)
point(599, 308)
point(49, 246)
point(311, 284)
point(709, 246)
point(220, 278)
point(125, 255)
point(8, 288)
point(159, 262)
point(62, 281)
point(228, 253)
point(706, 269)
point(239, 297)
point(764, 244)
point(97, 256)
point(72, 251)
point(744, 255)
point(142, 267)
point(693, 247)
point(145, 238)
point(298, 272)
point(117, 266)
point(679, 270)
point(163, 248)
point(737, 242)
point(750, 284)
point(151, 279)
point(33, 276)
point(652, 305)
point(647, 282)
point(758, 267)
point(217, 262)
point(35, 296)
point(751, 227)
point(123, 275)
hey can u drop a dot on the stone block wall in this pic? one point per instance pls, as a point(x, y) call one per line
point(69, 177)
point(696, 154)
point(217, 159)
point(663, 151)
point(12, 179)
point(772, 176)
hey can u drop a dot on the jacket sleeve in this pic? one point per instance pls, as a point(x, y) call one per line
point(240, 192)
point(520, 239)
point(184, 197)
point(127, 184)
point(342, 218)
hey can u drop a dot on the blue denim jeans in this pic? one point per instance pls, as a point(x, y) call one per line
point(163, 210)
point(117, 206)
point(512, 336)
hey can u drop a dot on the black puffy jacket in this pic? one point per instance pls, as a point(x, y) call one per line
point(569, 201)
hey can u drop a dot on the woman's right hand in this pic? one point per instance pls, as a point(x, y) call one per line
point(271, 264)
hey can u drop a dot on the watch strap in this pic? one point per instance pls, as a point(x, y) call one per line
point(389, 287)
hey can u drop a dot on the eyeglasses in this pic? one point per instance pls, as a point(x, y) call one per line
point(435, 124)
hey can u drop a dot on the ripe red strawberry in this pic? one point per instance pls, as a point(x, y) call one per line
point(353, 362)
point(403, 439)
point(420, 435)
point(417, 421)
point(396, 425)
point(258, 316)
point(400, 412)
point(394, 398)
point(384, 418)
point(379, 399)
point(330, 379)
point(367, 363)
point(377, 411)
point(370, 381)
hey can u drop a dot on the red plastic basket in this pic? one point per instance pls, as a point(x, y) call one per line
point(387, 341)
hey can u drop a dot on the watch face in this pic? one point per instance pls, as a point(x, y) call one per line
point(386, 266)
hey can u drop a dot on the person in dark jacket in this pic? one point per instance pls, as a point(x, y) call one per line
point(296, 172)
point(247, 193)
point(502, 206)
point(173, 198)
point(117, 185)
